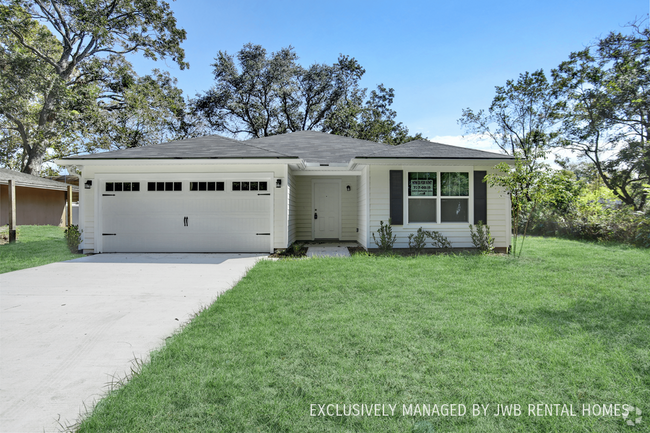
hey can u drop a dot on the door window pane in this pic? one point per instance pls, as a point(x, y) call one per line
point(109, 186)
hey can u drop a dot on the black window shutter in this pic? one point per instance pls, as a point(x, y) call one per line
point(480, 197)
point(396, 191)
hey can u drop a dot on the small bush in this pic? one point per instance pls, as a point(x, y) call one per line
point(642, 237)
point(417, 241)
point(295, 250)
point(73, 238)
point(439, 240)
point(386, 238)
point(481, 238)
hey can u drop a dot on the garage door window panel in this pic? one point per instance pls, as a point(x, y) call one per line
point(162, 186)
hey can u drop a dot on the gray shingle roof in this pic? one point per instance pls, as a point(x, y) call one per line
point(208, 147)
point(420, 149)
point(27, 180)
point(319, 147)
point(311, 146)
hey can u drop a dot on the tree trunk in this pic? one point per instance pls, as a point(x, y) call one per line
point(35, 159)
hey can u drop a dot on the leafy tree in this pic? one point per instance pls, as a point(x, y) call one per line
point(528, 191)
point(521, 120)
point(607, 114)
point(371, 120)
point(52, 87)
point(137, 111)
point(258, 95)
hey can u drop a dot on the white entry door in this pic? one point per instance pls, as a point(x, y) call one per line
point(327, 209)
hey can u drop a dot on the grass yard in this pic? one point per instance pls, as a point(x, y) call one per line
point(35, 246)
point(567, 324)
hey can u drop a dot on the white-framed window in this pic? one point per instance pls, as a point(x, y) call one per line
point(454, 200)
point(422, 197)
point(438, 197)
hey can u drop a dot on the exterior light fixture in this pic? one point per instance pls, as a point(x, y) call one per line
point(88, 184)
point(278, 183)
point(348, 188)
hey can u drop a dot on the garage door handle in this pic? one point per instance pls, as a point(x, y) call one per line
point(263, 234)
point(268, 193)
point(109, 234)
point(108, 195)
point(185, 221)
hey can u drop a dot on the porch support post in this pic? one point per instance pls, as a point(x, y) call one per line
point(12, 210)
point(69, 202)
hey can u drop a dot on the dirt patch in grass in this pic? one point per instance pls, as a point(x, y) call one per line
point(295, 251)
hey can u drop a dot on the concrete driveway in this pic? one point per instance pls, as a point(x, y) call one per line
point(68, 328)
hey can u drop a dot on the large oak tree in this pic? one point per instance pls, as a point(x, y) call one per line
point(257, 94)
point(65, 77)
point(607, 114)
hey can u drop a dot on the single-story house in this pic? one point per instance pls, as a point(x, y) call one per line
point(215, 194)
point(39, 201)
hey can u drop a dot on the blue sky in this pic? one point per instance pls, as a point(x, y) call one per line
point(440, 57)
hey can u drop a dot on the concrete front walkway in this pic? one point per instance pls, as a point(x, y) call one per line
point(329, 249)
point(68, 328)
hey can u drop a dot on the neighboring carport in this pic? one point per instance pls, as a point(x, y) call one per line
point(69, 328)
point(38, 201)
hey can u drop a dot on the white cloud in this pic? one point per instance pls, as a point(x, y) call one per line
point(485, 143)
point(471, 141)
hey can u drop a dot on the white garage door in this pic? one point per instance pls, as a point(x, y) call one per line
point(227, 215)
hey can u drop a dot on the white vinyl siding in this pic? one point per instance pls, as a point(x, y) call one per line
point(291, 208)
point(362, 208)
point(457, 233)
point(87, 215)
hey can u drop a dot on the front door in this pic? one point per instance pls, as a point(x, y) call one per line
point(327, 209)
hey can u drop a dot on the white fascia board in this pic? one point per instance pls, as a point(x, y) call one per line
point(326, 171)
point(198, 161)
point(430, 161)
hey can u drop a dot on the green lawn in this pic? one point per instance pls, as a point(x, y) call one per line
point(567, 324)
point(35, 246)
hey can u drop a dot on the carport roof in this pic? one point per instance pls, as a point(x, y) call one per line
point(30, 181)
